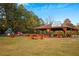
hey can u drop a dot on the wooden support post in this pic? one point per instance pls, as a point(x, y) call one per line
point(49, 34)
point(65, 30)
point(75, 30)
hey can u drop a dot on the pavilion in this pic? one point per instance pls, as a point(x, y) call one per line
point(50, 27)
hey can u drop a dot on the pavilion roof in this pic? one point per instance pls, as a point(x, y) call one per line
point(68, 26)
point(49, 26)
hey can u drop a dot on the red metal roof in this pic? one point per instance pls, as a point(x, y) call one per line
point(48, 26)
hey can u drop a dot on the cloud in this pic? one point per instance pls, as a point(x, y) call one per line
point(62, 5)
point(26, 4)
point(53, 5)
point(58, 5)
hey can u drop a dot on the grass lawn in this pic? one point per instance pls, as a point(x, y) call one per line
point(22, 46)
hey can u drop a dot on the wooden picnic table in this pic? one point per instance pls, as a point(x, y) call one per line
point(37, 36)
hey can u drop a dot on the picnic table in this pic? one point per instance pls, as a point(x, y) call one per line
point(37, 36)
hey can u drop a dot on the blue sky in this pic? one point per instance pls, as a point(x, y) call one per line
point(55, 11)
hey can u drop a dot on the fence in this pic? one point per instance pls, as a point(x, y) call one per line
point(75, 36)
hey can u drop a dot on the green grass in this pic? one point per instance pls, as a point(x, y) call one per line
point(21, 46)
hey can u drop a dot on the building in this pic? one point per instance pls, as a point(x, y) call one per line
point(62, 27)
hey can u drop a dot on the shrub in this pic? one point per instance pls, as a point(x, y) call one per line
point(58, 33)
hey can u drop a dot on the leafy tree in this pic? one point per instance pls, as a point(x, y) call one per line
point(67, 22)
point(18, 18)
point(9, 11)
point(78, 25)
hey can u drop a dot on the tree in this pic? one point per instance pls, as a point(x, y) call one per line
point(67, 22)
point(78, 25)
point(78, 28)
point(32, 21)
point(18, 18)
point(10, 14)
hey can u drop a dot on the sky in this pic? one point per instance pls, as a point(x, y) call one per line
point(55, 11)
